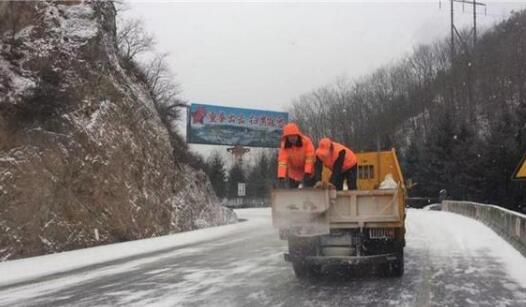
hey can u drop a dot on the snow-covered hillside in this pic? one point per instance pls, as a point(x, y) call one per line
point(84, 157)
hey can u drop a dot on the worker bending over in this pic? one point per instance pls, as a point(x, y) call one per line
point(340, 160)
point(296, 157)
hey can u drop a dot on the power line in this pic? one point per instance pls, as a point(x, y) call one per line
point(455, 34)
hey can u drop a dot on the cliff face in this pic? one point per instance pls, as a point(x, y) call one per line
point(84, 157)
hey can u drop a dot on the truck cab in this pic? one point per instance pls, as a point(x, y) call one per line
point(349, 227)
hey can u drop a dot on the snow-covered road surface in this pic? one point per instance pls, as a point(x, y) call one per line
point(451, 260)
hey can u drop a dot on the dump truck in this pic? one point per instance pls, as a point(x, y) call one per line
point(363, 227)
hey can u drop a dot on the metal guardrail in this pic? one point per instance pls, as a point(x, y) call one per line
point(238, 203)
point(510, 225)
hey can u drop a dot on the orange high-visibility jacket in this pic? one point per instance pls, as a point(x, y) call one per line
point(295, 161)
point(328, 157)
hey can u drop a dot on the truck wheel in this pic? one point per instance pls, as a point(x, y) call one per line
point(396, 268)
point(301, 247)
point(303, 270)
point(300, 269)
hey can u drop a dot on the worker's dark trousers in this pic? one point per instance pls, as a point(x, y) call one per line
point(292, 184)
point(307, 182)
point(349, 175)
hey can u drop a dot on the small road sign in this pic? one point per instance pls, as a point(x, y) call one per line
point(241, 190)
point(520, 172)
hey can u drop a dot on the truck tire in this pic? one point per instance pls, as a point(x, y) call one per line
point(300, 248)
point(396, 268)
point(304, 270)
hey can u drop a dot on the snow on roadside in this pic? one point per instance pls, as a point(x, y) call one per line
point(432, 207)
point(473, 236)
point(20, 270)
point(11, 297)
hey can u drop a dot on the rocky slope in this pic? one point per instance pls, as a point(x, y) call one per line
point(84, 157)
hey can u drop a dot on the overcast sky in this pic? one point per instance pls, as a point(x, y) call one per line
point(263, 55)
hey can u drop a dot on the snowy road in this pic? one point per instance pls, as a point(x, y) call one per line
point(450, 261)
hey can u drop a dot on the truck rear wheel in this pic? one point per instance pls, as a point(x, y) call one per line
point(396, 268)
point(300, 248)
point(303, 270)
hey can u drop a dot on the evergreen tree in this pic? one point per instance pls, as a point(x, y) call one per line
point(273, 166)
point(217, 174)
point(410, 163)
point(438, 165)
point(235, 175)
point(501, 157)
point(466, 155)
point(260, 178)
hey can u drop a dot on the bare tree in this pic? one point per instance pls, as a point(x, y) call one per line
point(10, 19)
point(163, 89)
point(133, 40)
point(160, 79)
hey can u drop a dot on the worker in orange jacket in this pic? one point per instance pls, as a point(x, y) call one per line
point(296, 157)
point(340, 160)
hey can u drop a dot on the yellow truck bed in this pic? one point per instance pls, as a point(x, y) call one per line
point(366, 207)
point(337, 209)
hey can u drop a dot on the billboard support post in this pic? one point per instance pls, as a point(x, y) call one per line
point(238, 152)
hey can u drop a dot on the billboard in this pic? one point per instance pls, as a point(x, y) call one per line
point(217, 125)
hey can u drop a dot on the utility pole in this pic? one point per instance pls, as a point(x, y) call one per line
point(474, 24)
point(463, 43)
point(238, 152)
point(454, 32)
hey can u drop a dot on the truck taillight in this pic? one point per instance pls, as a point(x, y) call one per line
point(381, 233)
